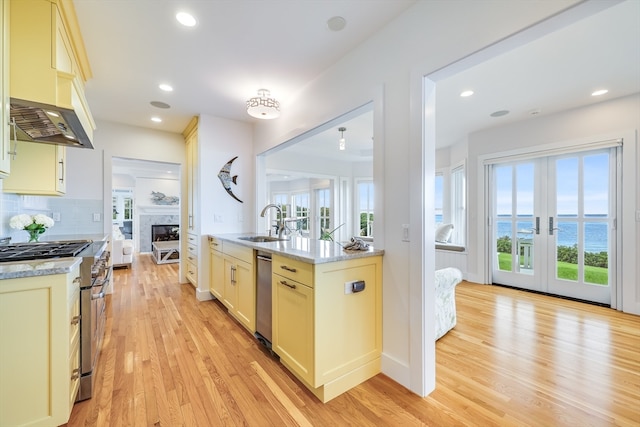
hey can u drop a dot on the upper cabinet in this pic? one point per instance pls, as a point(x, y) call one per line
point(5, 140)
point(48, 61)
point(38, 169)
point(191, 139)
point(47, 67)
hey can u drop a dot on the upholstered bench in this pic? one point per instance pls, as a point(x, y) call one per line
point(121, 249)
point(446, 281)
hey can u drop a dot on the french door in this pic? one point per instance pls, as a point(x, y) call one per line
point(553, 224)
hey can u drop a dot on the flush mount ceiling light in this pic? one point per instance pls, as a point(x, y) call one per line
point(599, 92)
point(186, 19)
point(342, 143)
point(263, 106)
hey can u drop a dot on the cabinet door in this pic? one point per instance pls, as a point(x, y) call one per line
point(5, 139)
point(246, 299)
point(192, 179)
point(37, 169)
point(293, 338)
point(216, 280)
point(230, 296)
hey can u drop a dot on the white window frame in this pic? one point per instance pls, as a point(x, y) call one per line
point(370, 205)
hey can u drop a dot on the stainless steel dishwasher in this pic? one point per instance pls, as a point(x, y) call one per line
point(263, 299)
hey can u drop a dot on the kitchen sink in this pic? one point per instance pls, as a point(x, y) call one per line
point(262, 239)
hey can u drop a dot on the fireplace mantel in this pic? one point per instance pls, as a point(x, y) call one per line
point(158, 209)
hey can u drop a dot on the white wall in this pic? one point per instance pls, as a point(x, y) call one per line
point(220, 140)
point(387, 69)
point(618, 118)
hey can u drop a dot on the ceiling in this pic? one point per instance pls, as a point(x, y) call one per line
point(238, 47)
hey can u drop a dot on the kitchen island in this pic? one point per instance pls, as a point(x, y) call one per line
point(325, 305)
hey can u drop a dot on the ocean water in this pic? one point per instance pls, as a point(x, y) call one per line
point(596, 234)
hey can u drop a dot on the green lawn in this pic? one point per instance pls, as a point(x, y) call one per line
point(567, 271)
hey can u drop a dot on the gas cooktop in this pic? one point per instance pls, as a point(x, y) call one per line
point(32, 251)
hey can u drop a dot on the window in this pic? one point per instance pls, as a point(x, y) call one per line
point(300, 204)
point(439, 196)
point(282, 200)
point(365, 208)
point(324, 209)
point(458, 206)
point(128, 208)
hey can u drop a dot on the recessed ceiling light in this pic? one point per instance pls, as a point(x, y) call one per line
point(156, 119)
point(165, 87)
point(499, 113)
point(466, 93)
point(599, 92)
point(336, 23)
point(186, 19)
point(160, 104)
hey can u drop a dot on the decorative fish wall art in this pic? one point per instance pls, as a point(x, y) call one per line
point(227, 179)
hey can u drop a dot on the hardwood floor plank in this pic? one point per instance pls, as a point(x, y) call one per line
point(514, 359)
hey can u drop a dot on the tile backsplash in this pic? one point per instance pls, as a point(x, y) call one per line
point(71, 216)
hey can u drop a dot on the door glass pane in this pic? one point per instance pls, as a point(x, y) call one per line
point(524, 176)
point(567, 187)
point(596, 185)
point(567, 251)
point(596, 259)
point(504, 208)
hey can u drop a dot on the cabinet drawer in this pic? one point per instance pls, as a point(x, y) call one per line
point(240, 252)
point(192, 240)
point(192, 272)
point(215, 244)
point(74, 370)
point(293, 269)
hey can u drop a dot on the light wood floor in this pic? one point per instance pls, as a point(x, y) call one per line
point(514, 359)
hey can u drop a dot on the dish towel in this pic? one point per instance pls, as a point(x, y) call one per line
point(357, 244)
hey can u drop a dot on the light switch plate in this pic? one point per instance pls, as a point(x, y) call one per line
point(96, 217)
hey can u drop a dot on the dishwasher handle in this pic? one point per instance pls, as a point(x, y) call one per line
point(263, 258)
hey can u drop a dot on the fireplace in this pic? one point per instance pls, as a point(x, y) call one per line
point(165, 232)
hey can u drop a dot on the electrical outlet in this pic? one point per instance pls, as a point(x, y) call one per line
point(96, 217)
point(56, 216)
point(405, 232)
point(637, 216)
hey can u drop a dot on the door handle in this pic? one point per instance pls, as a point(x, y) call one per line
point(551, 227)
point(536, 229)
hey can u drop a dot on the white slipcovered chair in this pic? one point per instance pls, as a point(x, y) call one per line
point(446, 280)
point(121, 249)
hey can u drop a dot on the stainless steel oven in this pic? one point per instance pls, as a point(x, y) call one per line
point(95, 277)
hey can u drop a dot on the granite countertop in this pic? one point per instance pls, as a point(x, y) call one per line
point(302, 249)
point(21, 269)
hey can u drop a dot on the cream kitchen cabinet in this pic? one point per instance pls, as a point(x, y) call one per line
point(5, 137)
point(191, 140)
point(192, 259)
point(216, 265)
point(233, 281)
point(39, 356)
point(326, 334)
point(37, 169)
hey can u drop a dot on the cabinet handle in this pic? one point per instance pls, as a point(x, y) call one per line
point(284, 267)
point(233, 274)
point(75, 374)
point(75, 320)
point(13, 125)
point(76, 280)
point(284, 282)
point(61, 179)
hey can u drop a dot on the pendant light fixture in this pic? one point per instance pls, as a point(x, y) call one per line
point(263, 106)
point(342, 143)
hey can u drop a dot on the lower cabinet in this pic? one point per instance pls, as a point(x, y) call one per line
point(191, 260)
point(325, 332)
point(39, 355)
point(232, 280)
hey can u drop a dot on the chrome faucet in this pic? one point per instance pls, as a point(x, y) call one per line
point(279, 222)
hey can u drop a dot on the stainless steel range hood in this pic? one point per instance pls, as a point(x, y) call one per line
point(49, 124)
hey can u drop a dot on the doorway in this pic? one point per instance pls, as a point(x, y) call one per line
point(553, 224)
